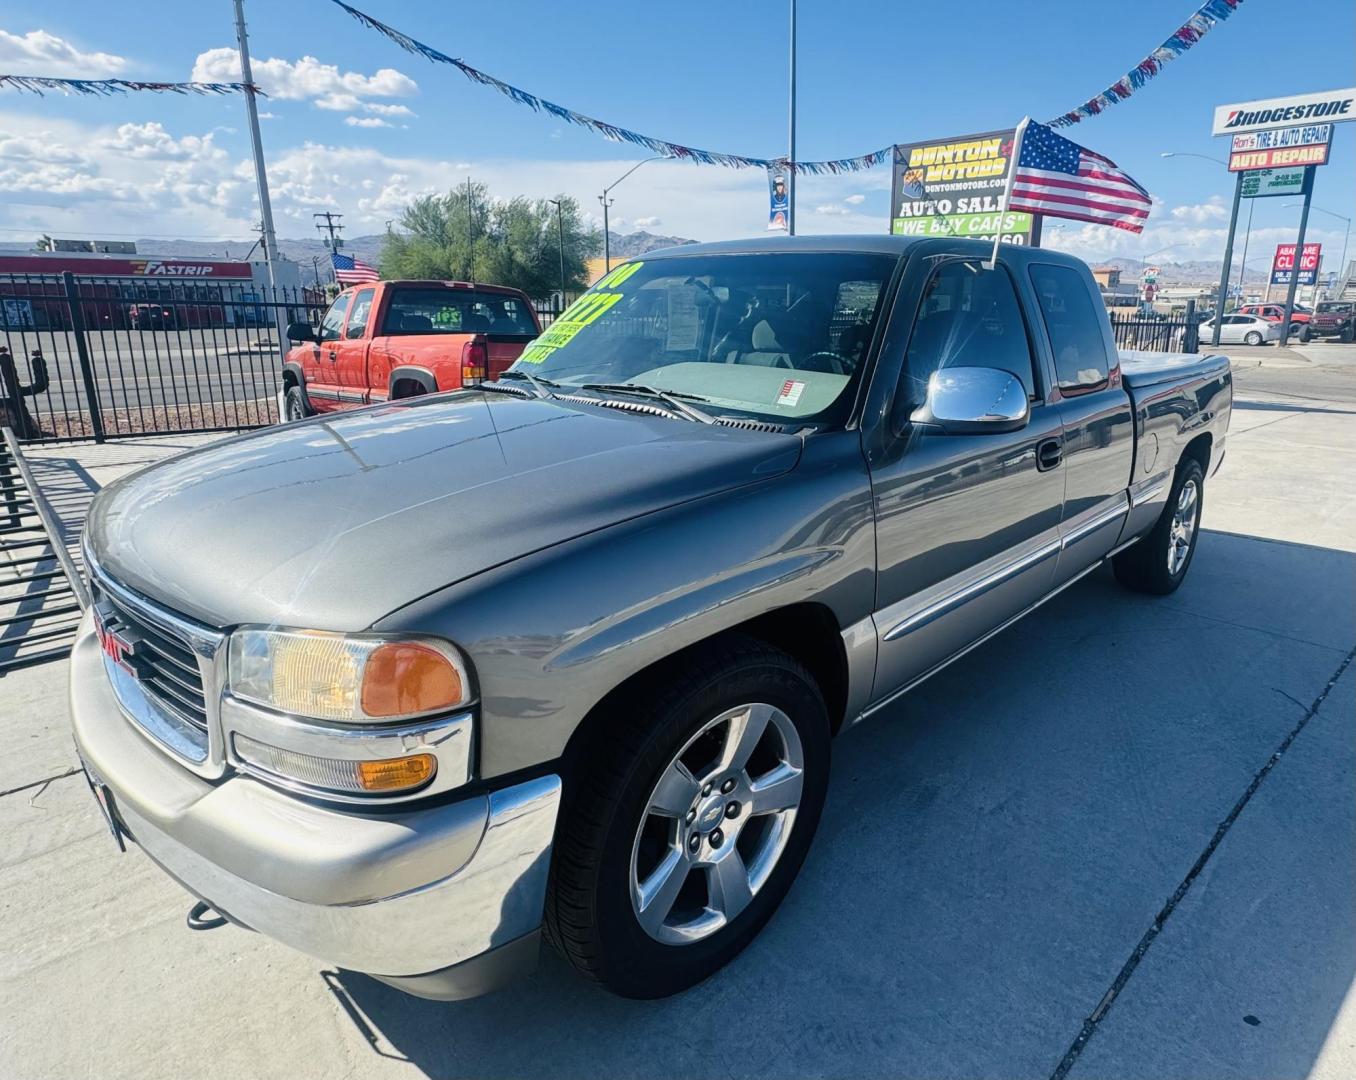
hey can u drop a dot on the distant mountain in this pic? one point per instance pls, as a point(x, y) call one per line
point(628, 245)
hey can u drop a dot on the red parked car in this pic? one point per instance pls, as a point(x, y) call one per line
point(1299, 317)
point(395, 339)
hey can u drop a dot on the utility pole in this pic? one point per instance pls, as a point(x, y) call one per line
point(560, 233)
point(1228, 261)
point(470, 232)
point(270, 238)
point(791, 137)
point(330, 225)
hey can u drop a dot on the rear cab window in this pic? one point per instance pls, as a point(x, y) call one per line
point(1074, 326)
point(440, 310)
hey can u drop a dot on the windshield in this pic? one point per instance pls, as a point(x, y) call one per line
point(1329, 307)
point(782, 336)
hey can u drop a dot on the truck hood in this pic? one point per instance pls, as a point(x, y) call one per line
point(334, 522)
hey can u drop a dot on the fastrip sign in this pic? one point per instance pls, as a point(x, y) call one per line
point(1329, 106)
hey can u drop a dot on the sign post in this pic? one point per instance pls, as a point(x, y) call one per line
point(1228, 261)
point(1299, 257)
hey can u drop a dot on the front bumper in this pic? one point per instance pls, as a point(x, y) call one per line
point(403, 895)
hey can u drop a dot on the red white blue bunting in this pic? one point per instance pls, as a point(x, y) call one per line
point(36, 84)
point(1207, 17)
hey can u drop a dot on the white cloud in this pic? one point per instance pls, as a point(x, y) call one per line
point(367, 122)
point(1200, 213)
point(40, 53)
point(152, 141)
point(306, 79)
point(648, 222)
point(42, 147)
point(387, 110)
point(832, 210)
point(855, 200)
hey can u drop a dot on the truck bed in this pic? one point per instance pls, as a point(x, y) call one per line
point(1140, 368)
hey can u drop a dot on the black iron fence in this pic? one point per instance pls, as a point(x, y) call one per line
point(102, 357)
point(1153, 332)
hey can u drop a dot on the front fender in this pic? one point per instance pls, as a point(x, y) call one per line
point(551, 634)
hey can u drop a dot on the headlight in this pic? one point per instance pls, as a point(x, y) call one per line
point(337, 677)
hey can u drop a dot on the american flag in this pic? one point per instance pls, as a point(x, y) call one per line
point(351, 271)
point(1058, 177)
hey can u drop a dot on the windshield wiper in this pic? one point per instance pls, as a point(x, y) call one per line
point(538, 384)
point(671, 398)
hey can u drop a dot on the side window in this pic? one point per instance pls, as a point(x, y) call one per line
point(333, 322)
point(362, 311)
point(969, 317)
point(1074, 326)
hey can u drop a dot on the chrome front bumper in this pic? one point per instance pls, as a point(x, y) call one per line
point(397, 894)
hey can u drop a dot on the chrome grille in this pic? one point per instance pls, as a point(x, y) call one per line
point(170, 670)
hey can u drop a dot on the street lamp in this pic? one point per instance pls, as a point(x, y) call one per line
point(607, 237)
point(1341, 266)
point(560, 233)
point(1246, 236)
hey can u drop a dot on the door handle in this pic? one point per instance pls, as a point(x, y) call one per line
point(1049, 453)
point(333, 356)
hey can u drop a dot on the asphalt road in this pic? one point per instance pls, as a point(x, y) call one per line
point(1115, 841)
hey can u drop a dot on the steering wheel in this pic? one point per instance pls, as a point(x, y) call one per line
point(836, 366)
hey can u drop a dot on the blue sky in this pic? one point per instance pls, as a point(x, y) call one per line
point(363, 126)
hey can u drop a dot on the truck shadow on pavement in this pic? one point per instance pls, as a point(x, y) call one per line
point(995, 849)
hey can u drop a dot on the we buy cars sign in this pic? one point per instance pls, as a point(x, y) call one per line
point(1283, 265)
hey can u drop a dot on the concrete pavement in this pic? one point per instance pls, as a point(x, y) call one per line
point(1113, 842)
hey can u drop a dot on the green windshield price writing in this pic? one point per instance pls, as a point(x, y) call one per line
point(588, 308)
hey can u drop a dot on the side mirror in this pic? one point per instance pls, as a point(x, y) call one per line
point(973, 401)
point(300, 331)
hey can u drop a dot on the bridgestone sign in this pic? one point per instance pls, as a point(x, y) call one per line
point(1331, 106)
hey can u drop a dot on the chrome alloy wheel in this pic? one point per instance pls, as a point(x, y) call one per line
point(716, 823)
point(1183, 529)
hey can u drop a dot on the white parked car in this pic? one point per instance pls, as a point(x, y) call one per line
point(1242, 330)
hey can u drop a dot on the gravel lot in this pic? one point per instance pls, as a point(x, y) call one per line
point(1114, 842)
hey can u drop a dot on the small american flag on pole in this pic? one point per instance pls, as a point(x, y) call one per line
point(1057, 177)
point(351, 271)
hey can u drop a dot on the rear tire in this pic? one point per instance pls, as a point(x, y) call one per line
point(1252, 337)
point(1158, 563)
point(645, 898)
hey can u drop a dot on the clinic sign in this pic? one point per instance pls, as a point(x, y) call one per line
point(1328, 107)
point(1293, 147)
point(1283, 265)
point(954, 187)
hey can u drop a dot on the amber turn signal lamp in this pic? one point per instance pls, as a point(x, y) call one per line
point(396, 774)
point(405, 679)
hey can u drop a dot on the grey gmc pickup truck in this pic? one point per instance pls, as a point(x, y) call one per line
point(563, 654)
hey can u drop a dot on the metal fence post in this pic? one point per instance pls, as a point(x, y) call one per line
point(96, 418)
point(1191, 340)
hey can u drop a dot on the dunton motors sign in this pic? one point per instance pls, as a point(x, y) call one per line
point(1328, 107)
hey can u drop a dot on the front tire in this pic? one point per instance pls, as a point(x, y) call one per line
point(1158, 563)
point(295, 405)
point(692, 811)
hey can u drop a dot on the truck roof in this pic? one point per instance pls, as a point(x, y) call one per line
point(479, 286)
point(859, 243)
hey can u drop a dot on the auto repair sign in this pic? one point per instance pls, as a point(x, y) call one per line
point(1330, 107)
point(1280, 148)
point(1283, 265)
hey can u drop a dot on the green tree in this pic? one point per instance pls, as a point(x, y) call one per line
point(466, 234)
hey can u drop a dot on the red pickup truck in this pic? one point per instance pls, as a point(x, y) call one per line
point(395, 339)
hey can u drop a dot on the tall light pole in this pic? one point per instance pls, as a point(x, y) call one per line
point(791, 137)
point(560, 233)
point(1341, 266)
point(607, 236)
point(1223, 293)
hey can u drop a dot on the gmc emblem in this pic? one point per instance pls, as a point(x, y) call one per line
point(119, 646)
